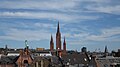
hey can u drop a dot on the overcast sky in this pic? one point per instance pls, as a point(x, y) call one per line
point(85, 23)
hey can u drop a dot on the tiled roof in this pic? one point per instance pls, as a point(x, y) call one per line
point(8, 59)
point(76, 58)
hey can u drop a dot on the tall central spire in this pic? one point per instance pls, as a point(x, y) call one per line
point(58, 29)
point(58, 38)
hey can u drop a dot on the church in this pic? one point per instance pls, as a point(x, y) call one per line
point(59, 48)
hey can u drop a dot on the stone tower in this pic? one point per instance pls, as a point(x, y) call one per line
point(51, 44)
point(106, 51)
point(64, 45)
point(58, 38)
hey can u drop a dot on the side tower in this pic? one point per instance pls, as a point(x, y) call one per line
point(106, 52)
point(58, 38)
point(64, 45)
point(51, 44)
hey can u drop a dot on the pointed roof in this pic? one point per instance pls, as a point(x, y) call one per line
point(51, 38)
point(106, 50)
point(64, 41)
point(58, 29)
point(6, 47)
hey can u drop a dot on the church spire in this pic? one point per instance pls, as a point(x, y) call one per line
point(64, 41)
point(58, 29)
point(58, 38)
point(106, 50)
point(51, 44)
point(51, 38)
point(64, 45)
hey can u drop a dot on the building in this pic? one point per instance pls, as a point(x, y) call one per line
point(8, 61)
point(40, 49)
point(58, 38)
point(106, 51)
point(84, 49)
point(76, 59)
point(64, 45)
point(108, 61)
point(25, 59)
point(59, 50)
point(51, 44)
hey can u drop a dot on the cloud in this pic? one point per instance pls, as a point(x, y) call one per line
point(107, 37)
point(77, 42)
point(103, 6)
point(99, 1)
point(79, 36)
point(45, 25)
point(106, 6)
point(106, 34)
point(46, 15)
point(21, 35)
point(105, 9)
point(19, 31)
point(38, 4)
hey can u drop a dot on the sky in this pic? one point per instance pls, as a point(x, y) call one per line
point(84, 23)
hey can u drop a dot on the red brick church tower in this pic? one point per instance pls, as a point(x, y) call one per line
point(59, 50)
point(58, 38)
point(64, 45)
point(51, 44)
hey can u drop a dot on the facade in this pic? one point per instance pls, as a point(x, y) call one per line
point(24, 59)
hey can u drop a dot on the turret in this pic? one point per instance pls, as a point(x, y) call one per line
point(51, 44)
point(106, 51)
point(64, 45)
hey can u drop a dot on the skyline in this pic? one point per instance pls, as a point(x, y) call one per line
point(92, 24)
